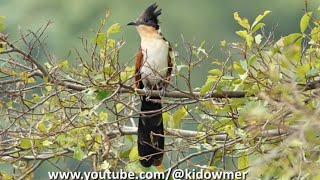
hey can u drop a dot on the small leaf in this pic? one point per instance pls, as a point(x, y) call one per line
point(238, 67)
point(208, 85)
point(42, 127)
point(242, 34)
point(305, 21)
point(243, 22)
point(179, 115)
point(215, 72)
point(114, 28)
point(102, 95)
point(243, 162)
point(230, 131)
point(252, 60)
point(119, 107)
point(258, 39)
point(100, 39)
point(31, 80)
point(168, 119)
point(125, 153)
point(134, 155)
point(257, 27)
point(78, 153)
point(223, 43)
point(63, 64)
point(25, 143)
point(9, 103)
point(259, 18)
point(244, 64)
point(103, 116)
point(48, 88)
point(312, 72)
point(291, 38)
point(47, 142)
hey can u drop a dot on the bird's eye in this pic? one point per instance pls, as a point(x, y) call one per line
point(145, 20)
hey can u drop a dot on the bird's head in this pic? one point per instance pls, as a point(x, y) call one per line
point(148, 20)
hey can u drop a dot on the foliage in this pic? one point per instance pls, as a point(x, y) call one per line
point(258, 110)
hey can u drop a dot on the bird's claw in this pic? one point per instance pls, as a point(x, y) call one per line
point(147, 91)
point(162, 93)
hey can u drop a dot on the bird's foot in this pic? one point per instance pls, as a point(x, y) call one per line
point(147, 91)
point(162, 92)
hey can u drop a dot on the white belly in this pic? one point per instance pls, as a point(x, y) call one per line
point(155, 61)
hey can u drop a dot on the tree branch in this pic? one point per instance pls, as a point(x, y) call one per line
point(126, 130)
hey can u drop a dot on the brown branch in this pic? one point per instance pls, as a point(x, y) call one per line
point(10, 81)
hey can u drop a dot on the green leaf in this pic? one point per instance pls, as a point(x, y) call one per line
point(216, 72)
point(257, 27)
point(114, 28)
point(291, 38)
point(208, 85)
point(304, 22)
point(48, 88)
point(223, 43)
point(125, 153)
point(238, 67)
point(244, 64)
point(168, 119)
point(102, 95)
point(252, 60)
point(103, 116)
point(259, 18)
point(243, 22)
point(243, 162)
point(63, 64)
point(25, 143)
point(230, 131)
point(100, 39)
point(242, 34)
point(78, 153)
point(223, 122)
point(179, 115)
point(42, 127)
point(47, 142)
point(312, 72)
point(9, 103)
point(134, 155)
point(119, 107)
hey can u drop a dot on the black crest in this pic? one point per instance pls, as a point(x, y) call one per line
point(150, 16)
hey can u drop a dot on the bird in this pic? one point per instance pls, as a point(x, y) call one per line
point(153, 69)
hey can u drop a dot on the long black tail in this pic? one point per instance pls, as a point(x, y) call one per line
point(150, 134)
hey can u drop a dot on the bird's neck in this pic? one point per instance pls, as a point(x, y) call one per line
point(148, 32)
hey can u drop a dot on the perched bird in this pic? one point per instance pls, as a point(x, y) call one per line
point(152, 72)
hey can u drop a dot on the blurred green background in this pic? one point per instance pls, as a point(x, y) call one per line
point(207, 20)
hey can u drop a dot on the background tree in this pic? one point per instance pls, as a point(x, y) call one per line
point(257, 111)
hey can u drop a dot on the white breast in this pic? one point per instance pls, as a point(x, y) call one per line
point(155, 60)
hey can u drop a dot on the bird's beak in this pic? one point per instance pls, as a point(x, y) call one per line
point(132, 24)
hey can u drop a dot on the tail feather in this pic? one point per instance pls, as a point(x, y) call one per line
point(150, 134)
